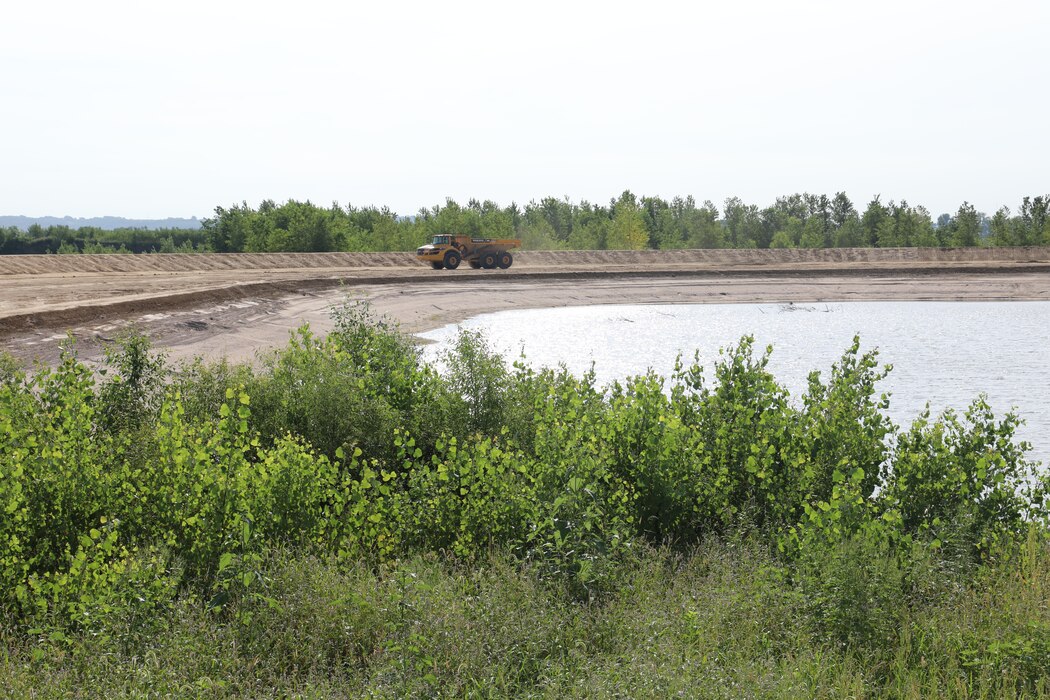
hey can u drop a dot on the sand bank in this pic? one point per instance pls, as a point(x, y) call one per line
point(239, 306)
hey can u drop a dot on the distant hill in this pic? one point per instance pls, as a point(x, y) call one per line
point(107, 223)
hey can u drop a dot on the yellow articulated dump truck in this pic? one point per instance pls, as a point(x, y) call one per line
point(446, 251)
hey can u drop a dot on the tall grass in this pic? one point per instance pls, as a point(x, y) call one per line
point(720, 620)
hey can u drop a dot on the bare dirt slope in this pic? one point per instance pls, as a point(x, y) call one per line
point(237, 305)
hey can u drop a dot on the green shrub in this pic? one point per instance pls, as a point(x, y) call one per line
point(130, 396)
point(476, 373)
point(964, 485)
point(128, 502)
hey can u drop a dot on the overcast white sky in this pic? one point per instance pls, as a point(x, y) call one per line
point(147, 109)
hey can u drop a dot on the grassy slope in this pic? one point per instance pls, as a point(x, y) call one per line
point(723, 621)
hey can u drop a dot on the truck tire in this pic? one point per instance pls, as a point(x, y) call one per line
point(452, 259)
point(437, 265)
point(488, 261)
point(505, 260)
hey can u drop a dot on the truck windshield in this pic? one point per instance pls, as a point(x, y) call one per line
point(440, 240)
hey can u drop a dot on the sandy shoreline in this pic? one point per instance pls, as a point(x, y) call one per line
point(239, 313)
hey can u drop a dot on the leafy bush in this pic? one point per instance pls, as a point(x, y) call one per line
point(963, 484)
point(122, 498)
point(130, 397)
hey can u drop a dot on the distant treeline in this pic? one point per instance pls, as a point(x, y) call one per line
point(628, 222)
point(105, 222)
point(92, 239)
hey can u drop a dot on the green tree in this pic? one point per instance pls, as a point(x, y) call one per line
point(627, 231)
point(664, 228)
point(702, 225)
point(849, 235)
point(790, 235)
point(1001, 228)
point(743, 224)
point(537, 234)
point(1034, 224)
point(590, 228)
point(815, 233)
point(558, 213)
point(871, 220)
point(228, 231)
point(842, 210)
point(496, 222)
point(966, 227)
point(920, 227)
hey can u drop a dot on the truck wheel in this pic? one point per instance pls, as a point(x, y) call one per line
point(452, 259)
point(436, 265)
point(488, 261)
point(505, 260)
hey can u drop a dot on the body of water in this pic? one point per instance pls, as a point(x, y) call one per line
point(943, 353)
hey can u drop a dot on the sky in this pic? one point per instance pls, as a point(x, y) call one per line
point(158, 109)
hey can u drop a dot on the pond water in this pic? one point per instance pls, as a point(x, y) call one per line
point(943, 353)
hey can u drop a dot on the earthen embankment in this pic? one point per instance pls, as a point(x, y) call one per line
point(237, 304)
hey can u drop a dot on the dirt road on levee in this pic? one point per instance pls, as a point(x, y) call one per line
point(239, 305)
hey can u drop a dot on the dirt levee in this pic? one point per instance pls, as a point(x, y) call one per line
point(639, 259)
point(238, 304)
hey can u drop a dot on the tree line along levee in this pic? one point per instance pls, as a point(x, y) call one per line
point(627, 222)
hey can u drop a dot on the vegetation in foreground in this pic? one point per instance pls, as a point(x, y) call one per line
point(344, 521)
point(625, 223)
